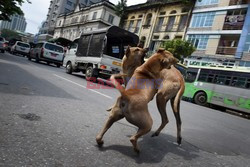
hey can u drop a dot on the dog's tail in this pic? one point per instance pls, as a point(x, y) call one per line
point(116, 83)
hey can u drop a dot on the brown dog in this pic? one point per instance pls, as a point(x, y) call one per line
point(132, 104)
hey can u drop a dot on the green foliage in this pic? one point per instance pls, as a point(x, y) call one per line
point(120, 10)
point(179, 48)
point(9, 34)
point(10, 7)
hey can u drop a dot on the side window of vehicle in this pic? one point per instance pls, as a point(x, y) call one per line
point(191, 75)
point(74, 45)
point(248, 83)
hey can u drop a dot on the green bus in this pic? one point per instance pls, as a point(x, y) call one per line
point(222, 86)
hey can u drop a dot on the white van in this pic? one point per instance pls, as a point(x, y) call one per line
point(98, 53)
point(48, 52)
point(20, 48)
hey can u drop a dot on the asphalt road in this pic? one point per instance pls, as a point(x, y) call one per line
point(49, 118)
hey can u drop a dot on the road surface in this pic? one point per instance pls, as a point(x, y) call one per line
point(50, 118)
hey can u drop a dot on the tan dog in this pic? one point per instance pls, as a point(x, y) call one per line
point(132, 104)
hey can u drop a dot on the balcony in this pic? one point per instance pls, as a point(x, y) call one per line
point(132, 29)
point(226, 50)
point(237, 2)
point(167, 28)
point(228, 44)
point(234, 22)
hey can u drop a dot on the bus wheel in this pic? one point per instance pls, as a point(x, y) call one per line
point(89, 74)
point(69, 68)
point(200, 98)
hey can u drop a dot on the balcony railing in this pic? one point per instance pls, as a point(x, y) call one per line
point(165, 28)
point(237, 2)
point(226, 50)
point(234, 22)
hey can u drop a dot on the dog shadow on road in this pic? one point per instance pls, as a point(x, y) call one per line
point(153, 150)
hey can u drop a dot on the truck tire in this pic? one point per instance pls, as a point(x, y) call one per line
point(89, 74)
point(69, 68)
point(201, 98)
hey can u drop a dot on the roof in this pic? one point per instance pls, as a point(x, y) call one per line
point(150, 5)
point(224, 68)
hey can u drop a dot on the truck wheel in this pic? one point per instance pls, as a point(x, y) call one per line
point(89, 74)
point(69, 68)
point(58, 65)
point(29, 57)
point(200, 98)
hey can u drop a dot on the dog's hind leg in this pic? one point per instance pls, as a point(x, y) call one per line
point(161, 102)
point(112, 118)
point(175, 104)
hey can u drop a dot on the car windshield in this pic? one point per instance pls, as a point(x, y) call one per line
point(54, 48)
point(23, 44)
point(1, 39)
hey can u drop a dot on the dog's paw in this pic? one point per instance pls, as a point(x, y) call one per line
point(99, 142)
point(155, 134)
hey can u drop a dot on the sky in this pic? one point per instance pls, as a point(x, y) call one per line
point(36, 12)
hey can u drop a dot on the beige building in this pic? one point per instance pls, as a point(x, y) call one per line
point(220, 31)
point(95, 16)
point(157, 21)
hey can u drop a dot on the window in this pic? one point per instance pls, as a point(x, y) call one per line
point(94, 16)
point(162, 13)
point(199, 41)
point(111, 19)
point(69, 3)
point(206, 2)
point(170, 23)
point(159, 24)
point(148, 20)
point(66, 10)
point(182, 22)
point(191, 75)
point(203, 19)
point(130, 27)
point(138, 25)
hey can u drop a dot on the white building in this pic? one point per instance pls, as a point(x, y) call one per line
point(95, 16)
point(17, 23)
point(58, 7)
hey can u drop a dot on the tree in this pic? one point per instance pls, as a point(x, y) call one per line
point(9, 34)
point(179, 48)
point(120, 10)
point(10, 7)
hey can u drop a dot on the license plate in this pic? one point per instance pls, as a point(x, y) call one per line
point(53, 55)
point(117, 63)
point(22, 48)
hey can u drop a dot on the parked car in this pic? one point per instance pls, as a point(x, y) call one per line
point(2, 44)
point(20, 48)
point(48, 52)
point(11, 43)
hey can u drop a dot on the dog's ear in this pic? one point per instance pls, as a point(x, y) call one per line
point(140, 45)
point(109, 109)
point(145, 50)
point(160, 50)
point(127, 51)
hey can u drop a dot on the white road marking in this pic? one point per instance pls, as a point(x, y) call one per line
point(83, 86)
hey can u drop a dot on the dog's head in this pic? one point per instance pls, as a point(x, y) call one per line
point(136, 53)
point(165, 58)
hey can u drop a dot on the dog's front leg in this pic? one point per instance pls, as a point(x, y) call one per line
point(112, 118)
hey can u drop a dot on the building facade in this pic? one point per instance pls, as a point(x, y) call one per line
point(220, 30)
point(58, 7)
point(157, 21)
point(95, 16)
point(17, 23)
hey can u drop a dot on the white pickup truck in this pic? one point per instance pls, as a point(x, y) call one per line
point(98, 53)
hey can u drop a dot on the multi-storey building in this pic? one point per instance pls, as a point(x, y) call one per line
point(157, 21)
point(58, 7)
point(220, 30)
point(95, 16)
point(17, 23)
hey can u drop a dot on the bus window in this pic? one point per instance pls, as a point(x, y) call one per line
point(210, 78)
point(248, 84)
point(228, 80)
point(191, 75)
point(241, 82)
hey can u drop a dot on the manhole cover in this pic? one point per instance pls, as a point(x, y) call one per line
point(30, 117)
